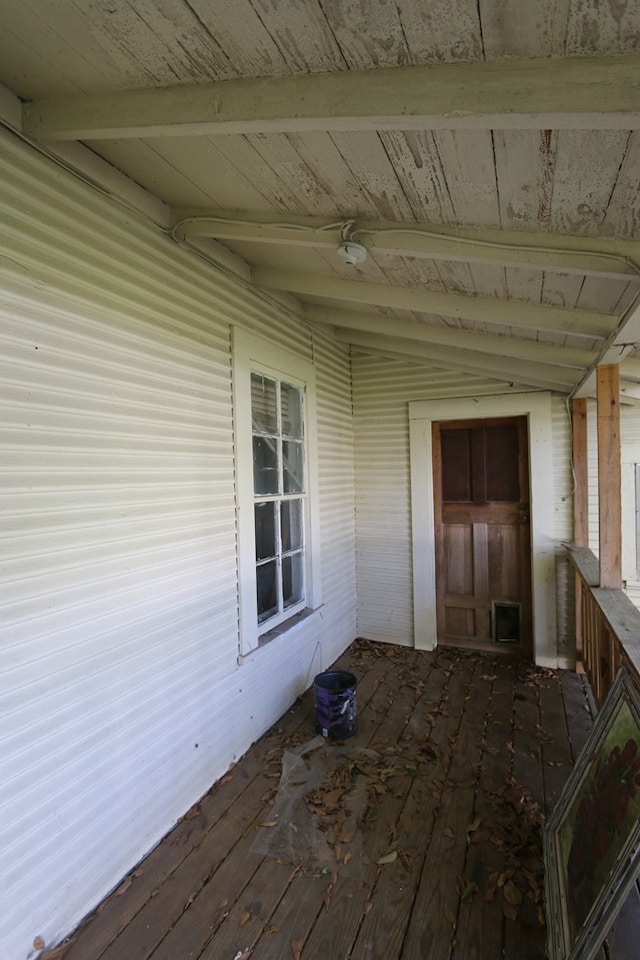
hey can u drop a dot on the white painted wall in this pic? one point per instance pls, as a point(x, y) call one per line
point(383, 389)
point(121, 698)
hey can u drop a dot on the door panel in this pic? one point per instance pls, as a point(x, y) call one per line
point(482, 532)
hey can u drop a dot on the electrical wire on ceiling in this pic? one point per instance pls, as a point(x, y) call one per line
point(347, 233)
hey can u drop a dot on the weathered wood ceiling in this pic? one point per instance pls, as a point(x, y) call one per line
point(487, 155)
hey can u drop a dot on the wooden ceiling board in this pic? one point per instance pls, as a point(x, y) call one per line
point(242, 45)
point(468, 161)
point(562, 289)
point(489, 280)
point(154, 167)
point(275, 189)
point(604, 295)
point(319, 151)
point(418, 272)
point(415, 158)
point(301, 31)
point(211, 172)
point(441, 31)
point(524, 173)
point(524, 283)
point(368, 34)
point(585, 174)
point(369, 163)
point(155, 44)
point(563, 181)
point(279, 154)
point(524, 30)
point(456, 277)
point(622, 217)
point(628, 299)
point(601, 28)
point(43, 51)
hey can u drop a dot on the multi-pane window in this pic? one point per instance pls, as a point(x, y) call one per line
point(279, 492)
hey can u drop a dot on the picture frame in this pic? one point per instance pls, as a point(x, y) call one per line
point(591, 842)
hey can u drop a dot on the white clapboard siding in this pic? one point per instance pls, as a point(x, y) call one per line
point(382, 390)
point(337, 488)
point(630, 457)
point(121, 698)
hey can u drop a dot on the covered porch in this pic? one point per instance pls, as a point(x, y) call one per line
point(458, 759)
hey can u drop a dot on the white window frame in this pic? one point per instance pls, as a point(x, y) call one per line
point(252, 354)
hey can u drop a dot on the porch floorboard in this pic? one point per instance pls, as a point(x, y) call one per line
point(469, 752)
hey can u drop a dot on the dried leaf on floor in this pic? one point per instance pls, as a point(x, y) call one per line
point(296, 949)
point(245, 916)
point(58, 952)
point(388, 858)
point(512, 894)
point(469, 891)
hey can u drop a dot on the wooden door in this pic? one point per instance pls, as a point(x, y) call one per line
point(483, 551)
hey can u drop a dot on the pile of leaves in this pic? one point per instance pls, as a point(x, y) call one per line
point(517, 832)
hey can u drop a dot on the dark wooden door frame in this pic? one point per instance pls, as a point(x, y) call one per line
point(537, 408)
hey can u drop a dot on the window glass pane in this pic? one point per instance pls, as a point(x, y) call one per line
point(293, 463)
point(292, 579)
point(291, 524)
point(291, 402)
point(266, 583)
point(265, 530)
point(263, 404)
point(265, 465)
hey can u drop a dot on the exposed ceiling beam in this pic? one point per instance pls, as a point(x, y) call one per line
point(606, 258)
point(496, 346)
point(572, 93)
point(515, 313)
point(543, 376)
point(620, 344)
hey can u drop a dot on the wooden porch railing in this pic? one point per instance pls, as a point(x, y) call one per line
point(607, 624)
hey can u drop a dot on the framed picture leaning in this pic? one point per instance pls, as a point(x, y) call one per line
point(591, 842)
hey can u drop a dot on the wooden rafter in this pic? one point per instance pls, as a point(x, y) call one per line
point(483, 309)
point(539, 375)
point(496, 346)
point(603, 257)
point(573, 93)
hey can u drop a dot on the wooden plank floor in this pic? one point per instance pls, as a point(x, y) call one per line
point(457, 760)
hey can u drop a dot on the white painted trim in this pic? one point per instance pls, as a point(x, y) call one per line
point(249, 353)
point(537, 408)
point(10, 108)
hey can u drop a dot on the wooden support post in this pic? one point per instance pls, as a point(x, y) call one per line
point(609, 477)
point(580, 505)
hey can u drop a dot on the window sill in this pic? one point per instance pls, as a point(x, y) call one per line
point(290, 628)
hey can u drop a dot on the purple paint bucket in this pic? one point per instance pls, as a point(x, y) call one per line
point(336, 704)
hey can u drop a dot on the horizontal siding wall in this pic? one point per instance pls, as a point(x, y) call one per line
point(121, 698)
point(383, 389)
